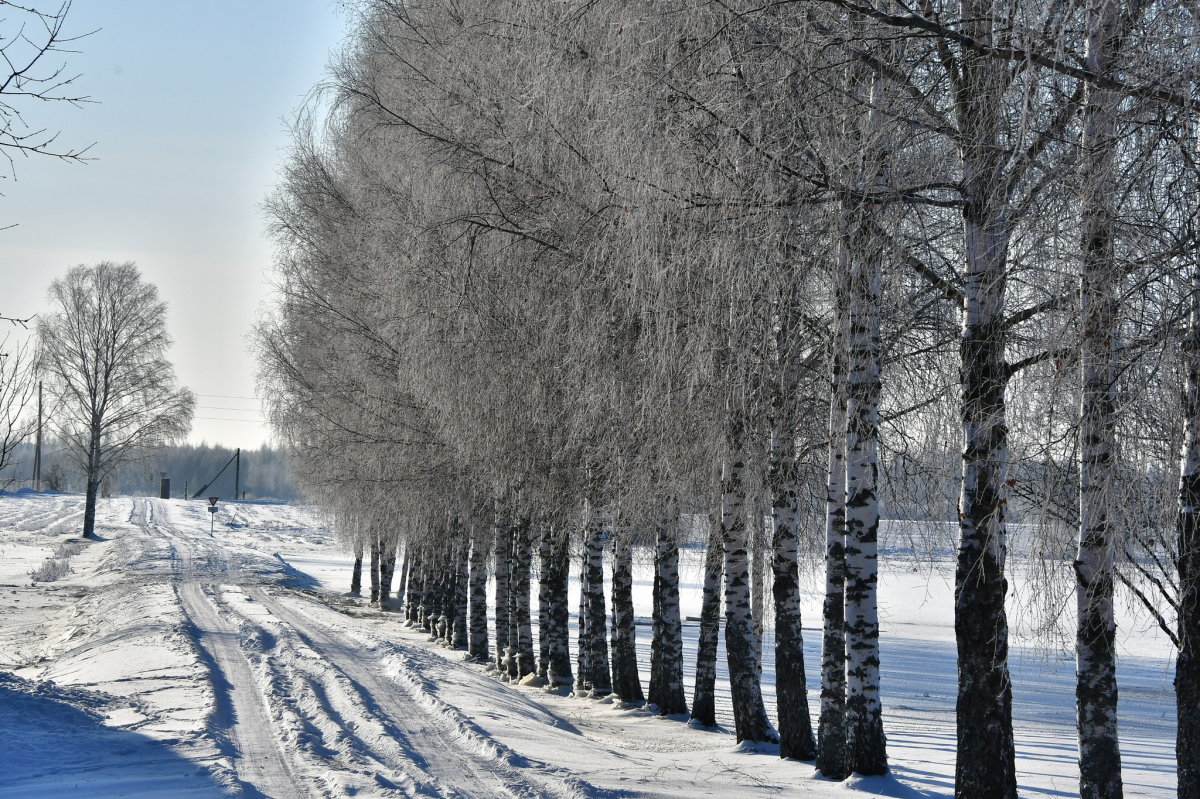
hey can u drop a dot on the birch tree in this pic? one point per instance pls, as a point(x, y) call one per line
point(103, 351)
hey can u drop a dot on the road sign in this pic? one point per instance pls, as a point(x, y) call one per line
point(213, 501)
point(212, 509)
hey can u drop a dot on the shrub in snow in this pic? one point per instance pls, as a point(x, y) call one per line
point(53, 569)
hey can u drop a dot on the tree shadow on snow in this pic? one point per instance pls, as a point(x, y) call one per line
point(294, 578)
point(54, 742)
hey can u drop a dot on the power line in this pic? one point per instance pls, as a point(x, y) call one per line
point(226, 396)
point(223, 408)
point(215, 419)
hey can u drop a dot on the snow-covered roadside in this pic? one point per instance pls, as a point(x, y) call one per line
point(354, 703)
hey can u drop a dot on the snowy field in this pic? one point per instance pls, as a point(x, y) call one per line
point(163, 661)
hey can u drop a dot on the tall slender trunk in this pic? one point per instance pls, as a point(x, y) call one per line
point(1095, 639)
point(599, 676)
point(583, 651)
point(445, 616)
point(429, 596)
point(831, 726)
point(559, 633)
point(985, 763)
point(791, 686)
point(704, 697)
point(503, 546)
point(458, 637)
point(627, 684)
point(478, 647)
point(374, 568)
point(756, 537)
point(654, 687)
point(512, 666)
point(93, 482)
point(356, 575)
point(667, 646)
point(416, 579)
point(522, 557)
point(544, 534)
point(749, 713)
point(1187, 665)
point(402, 580)
point(866, 751)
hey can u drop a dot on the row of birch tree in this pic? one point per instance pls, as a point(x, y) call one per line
point(555, 281)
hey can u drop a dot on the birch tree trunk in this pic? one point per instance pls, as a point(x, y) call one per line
point(522, 623)
point(478, 646)
point(598, 678)
point(512, 665)
point(458, 637)
point(626, 682)
point(866, 751)
point(544, 579)
point(93, 481)
point(583, 667)
point(374, 568)
point(1187, 665)
point(831, 727)
point(559, 633)
point(704, 700)
point(502, 589)
point(402, 580)
point(749, 713)
point(985, 763)
point(668, 640)
point(356, 575)
point(411, 600)
point(387, 567)
point(791, 688)
point(1095, 638)
point(756, 537)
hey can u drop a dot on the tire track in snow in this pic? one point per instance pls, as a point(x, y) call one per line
point(435, 749)
point(241, 713)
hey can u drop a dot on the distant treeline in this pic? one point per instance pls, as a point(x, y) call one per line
point(264, 472)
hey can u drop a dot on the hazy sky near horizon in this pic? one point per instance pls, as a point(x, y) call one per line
point(190, 128)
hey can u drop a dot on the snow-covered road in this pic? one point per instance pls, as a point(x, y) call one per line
point(169, 661)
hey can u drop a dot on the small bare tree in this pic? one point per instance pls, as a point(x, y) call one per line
point(16, 389)
point(103, 354)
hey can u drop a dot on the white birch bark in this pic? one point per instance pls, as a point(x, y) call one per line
point(865, 748)
point(1095, 639)
point(749, 713)
point(831, 727)
point(1187, 665)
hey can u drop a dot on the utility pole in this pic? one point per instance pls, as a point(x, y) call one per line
point(237, 472)
point(37, 451)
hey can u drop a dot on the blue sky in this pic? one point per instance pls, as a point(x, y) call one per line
point(189, 126)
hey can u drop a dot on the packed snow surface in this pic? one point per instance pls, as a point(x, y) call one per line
point(164, 660)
